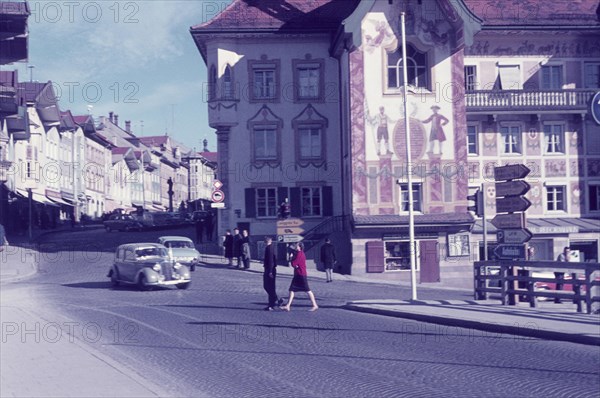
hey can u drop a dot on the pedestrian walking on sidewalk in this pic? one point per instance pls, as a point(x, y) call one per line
point(237, 247)
point(300, 280)
point(328, 259)
point(246, 256)
point(3, 240)
point(228, 245)
point(270, 274)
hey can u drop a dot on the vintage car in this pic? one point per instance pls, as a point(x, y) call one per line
point(122, 222)
point(182, 249)
point(147, 265)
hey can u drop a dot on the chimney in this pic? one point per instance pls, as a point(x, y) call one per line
point(205, 145)
point(128, 126)
point(116, 120)
point(110, 116)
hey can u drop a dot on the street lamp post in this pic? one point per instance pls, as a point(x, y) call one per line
point(411, 216)
point(30, 198)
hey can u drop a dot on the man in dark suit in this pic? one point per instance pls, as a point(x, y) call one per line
point(269, 275)
point(237, 247)
point(328, 259)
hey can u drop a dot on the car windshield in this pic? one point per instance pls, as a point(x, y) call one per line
point(151, 252)
point(179, 244)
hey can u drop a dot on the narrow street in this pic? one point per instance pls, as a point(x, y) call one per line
point(215, 339)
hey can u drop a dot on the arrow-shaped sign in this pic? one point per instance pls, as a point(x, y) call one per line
point(289, 238)
point(290, 231)
point(289, 222)
point(504, 221)
point(510, 252)
point(514, 235)
point(511, 204)
point(512, 188)
point(511, 172)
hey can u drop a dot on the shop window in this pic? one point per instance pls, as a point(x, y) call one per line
point(397, 256)
point(416, 64)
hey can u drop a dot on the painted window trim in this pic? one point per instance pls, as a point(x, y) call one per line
point(264, 64)
point(298, 64)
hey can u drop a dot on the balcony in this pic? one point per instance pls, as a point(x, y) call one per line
point(522, 101)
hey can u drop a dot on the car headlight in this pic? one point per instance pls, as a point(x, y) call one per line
point(177, 266)
point(156, 267)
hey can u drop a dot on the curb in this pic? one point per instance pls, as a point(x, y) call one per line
point(480, 325)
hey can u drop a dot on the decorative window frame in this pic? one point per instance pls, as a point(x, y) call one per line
point(520, 149)
point(562, 137)
point(311, 185)
point(308, 61)
point(264, 63)
point(565, 201)
point(310, 117)
point(559, 65)
point(428, 88)
point(477, 140)
point(265, 118)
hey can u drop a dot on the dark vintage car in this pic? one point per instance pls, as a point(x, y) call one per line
point(147, 265)
point(122, 222)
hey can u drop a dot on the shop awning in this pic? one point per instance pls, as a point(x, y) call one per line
point(60, 201)
point(37, 197)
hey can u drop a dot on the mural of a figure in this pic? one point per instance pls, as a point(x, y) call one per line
point(381, 121)
point(438, 122)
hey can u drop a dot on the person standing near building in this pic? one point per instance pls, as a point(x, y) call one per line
point(199, 229)
point(328, 259)
point(246, 256)
point(237, 247)
point(300, 280)
point(270, 274)
point(565, 255)
point(228, 245)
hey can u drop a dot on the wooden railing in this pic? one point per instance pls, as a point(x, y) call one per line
point(511, 274)
point(573, 99)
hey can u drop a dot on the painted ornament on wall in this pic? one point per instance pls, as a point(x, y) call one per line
point(379, 124)
point(436, 134)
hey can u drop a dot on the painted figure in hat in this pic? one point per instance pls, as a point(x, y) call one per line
point(438, 122)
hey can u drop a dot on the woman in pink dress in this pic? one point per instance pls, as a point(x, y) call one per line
point(300, 280)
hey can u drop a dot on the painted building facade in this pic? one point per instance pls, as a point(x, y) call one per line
point(489, 83)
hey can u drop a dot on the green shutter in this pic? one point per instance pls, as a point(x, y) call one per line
point(250, 199)
point(327, 201)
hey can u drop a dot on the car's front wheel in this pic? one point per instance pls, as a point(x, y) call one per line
point(142, 284)
point(114, 278)
point(183, 285)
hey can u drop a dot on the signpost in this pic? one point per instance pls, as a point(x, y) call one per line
point(512, 188)
point(511, 204)
point(289, 230)
point(514, 236)
point(595, 107)
point(512, 220)
point(511, 172)
point(510, 252)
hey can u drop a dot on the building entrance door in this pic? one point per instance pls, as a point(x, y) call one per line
point(430, 262)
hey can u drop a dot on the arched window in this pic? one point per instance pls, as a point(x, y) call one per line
point(227, 87)
point(212, 83)
point(417, 68)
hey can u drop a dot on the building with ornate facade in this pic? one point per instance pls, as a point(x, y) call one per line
point(317, 87)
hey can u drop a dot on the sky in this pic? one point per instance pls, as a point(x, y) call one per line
point(135, 58)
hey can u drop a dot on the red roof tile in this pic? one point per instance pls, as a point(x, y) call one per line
point(120, 150)
point(281, 15)
point(535, 12)
point(81, 119)
point(210, 156)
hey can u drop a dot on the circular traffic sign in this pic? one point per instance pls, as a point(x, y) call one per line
point(218, 196)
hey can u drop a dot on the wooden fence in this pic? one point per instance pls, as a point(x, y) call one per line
point(515, 279)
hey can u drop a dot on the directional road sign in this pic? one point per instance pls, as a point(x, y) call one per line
point(511, 204)
point(290, 231)
point(514, 236)
point(512, 188)
point(512, 220)
point(511, 172)
point(289, 238)
point(289, 222)
point(595, 107)
point(510, 252)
